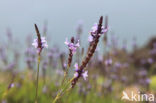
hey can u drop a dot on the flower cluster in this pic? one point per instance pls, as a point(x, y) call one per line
point(90, 52)
point(93, 32)
point(72, 46)
point(84, 73)
point(40, 42)
point(43, 43)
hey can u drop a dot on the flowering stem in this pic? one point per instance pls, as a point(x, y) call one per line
point(65, 74)
point(63, 91)
point(36, 96)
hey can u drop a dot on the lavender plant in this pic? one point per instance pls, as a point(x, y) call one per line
point(90, 77)
point(39, 44)
point(96, 32)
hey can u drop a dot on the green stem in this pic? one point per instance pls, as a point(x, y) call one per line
point(38, 65)
point(65, 75)
point(63, 91)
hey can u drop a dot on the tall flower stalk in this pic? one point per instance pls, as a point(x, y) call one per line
point(72, 50)
point(96, 33)
point(39, 44)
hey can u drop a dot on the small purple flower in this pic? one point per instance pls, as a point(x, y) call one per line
point(85, 75)
point(76, 67)
point(108, 62)
point(43, 41)
point(117, 64)
point(72, 46)
point(65, 65)
point(90, 38)
point(94, 30)
point(100, 58)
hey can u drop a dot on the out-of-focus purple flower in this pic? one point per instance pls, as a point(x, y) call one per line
point(147, 81)
point(100, 58)
point(11, 85)
point(65, 65)
point(150, 60)
point(144, 81)
point(11, 66)
point(73, 47)
point(108, 62)
point(117, 64)
point(142, 73)
point(124, 79)
point(125, 65)
point(4, 101)
point(43, 41)
point(113, 77)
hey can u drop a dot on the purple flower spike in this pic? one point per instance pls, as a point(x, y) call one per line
point(43, 41)
point(72, 46)
point(84, 73)
point(94, 30)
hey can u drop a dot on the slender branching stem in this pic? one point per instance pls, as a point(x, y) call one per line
point(65, 89)
point(65, 75)
point(38, 65)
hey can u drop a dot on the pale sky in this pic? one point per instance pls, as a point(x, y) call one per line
point(127, 18)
